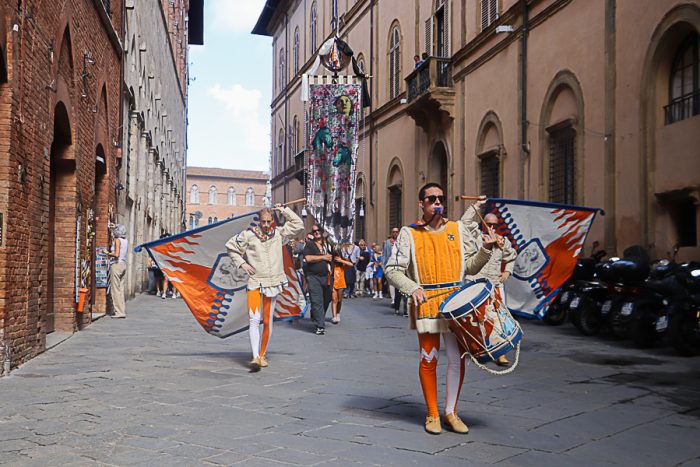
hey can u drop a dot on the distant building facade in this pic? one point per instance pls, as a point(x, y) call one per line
point(568, 101)
point(152, 173)
point(217, 194)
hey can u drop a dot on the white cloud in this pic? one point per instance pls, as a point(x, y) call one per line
point(243, 107)
point(236, 15)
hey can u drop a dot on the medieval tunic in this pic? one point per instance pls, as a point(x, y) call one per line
point(436, 260)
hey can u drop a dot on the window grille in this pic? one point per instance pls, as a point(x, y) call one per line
point(489, 170)
point(395, 198)
point(684, 87)
point(562, 166)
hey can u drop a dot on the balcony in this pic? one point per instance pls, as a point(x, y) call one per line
point(682, 107)
point(430, 92)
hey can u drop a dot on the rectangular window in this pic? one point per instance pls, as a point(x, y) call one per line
point(562, 167)
point(395, 216)
point(489, 166)
point(684, 217)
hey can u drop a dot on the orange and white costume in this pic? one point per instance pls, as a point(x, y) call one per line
point(435, 260)
point(264, 253)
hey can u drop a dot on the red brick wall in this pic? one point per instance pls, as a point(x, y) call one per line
point(45, 66)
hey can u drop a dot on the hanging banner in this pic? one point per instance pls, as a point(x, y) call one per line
point(197, 264)
point(334, 114)
point(549, 239)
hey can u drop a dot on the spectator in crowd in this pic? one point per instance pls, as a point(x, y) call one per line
point(117, 270)
point(378, 272)
point(363, 261)
point(351, 253)
point(317, 257)
point(340, 264)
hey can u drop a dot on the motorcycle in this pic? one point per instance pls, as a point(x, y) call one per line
point(684, 311)
point(582, 275)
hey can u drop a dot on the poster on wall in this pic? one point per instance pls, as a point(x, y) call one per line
point(101, 267)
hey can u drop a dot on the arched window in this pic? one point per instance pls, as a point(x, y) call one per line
point(231, 196)
point(216, 219)
point(250, 197)
point(296, 50)
point(282, 71)
point(194, 194)
point(361, 62)
point(684, 86)
point(209, 221)
point(212, 195)
point(395, 63)
point(314, 24)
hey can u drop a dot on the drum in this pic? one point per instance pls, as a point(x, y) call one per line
point(482, 324)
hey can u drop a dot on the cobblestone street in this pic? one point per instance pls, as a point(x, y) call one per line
point(154, 389)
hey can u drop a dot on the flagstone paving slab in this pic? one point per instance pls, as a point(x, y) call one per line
point(156, 390)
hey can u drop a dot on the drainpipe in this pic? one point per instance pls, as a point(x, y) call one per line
point(524, 146)
point(286, 102)
point(371, 104)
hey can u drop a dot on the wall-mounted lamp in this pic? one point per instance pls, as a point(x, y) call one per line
point(119, 186)
point(303, 212)
point(362, 210)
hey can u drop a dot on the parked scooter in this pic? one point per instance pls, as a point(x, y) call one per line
point(684, 325)
point(605, 301)
point(582, 276)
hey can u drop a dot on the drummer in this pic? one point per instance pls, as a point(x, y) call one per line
point(430, 258)
point(500, 266)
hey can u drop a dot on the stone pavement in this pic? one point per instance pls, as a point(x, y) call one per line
point(154, 389)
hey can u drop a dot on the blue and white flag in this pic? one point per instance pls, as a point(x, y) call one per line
point(549, 239)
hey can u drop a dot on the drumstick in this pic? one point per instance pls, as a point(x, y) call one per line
point(469, 197)
point(484, 223)
point(296, 201)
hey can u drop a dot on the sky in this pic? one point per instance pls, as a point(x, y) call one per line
point(230, 89)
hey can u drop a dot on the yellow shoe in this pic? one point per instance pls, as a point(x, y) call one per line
point(432, 425)
point(255, 364)
point(454, 423)
point(263, 361)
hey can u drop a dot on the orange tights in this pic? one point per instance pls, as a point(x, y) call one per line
point(259, 306)
point(427, 371)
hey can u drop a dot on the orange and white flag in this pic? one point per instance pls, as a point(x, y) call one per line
point(198, 266)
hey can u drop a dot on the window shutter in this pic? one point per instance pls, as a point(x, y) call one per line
point(446, 30)
point(429, 35)
point(493, 11)
point(484, 14)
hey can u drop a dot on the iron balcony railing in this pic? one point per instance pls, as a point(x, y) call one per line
point(682, 107)
point(434, 72)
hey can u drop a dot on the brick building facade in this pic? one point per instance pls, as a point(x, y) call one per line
point(66, 143)
point(59, 133)
point(217, 194)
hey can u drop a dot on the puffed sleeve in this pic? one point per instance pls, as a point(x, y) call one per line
point(469, 220)
point(509, 255)
point(396, 266)
point(236, 247)
point(293, 227)
point(475, 256)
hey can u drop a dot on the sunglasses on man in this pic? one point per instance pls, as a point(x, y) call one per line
point(432, 198)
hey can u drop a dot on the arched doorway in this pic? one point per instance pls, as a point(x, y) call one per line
point(437, 168)
point(395, 187)
point(97, 222)
point(62, 226)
